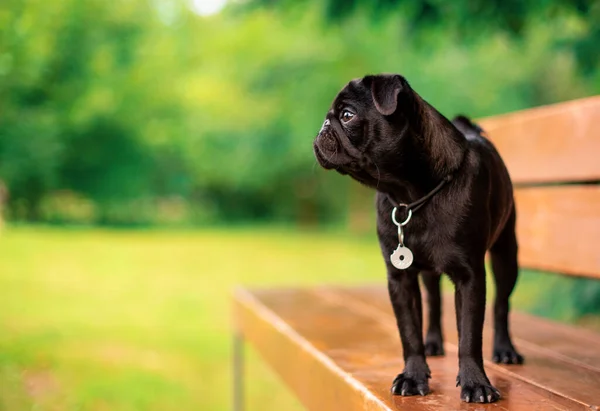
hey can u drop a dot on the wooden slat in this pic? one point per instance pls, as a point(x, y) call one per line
point(569, 343)
point(319, 383)
point(336, 351)
point(558, 229)
point(565, 341)
point(550, 364)
point(553, 143)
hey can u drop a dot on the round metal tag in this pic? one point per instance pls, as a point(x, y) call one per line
point(401, 258)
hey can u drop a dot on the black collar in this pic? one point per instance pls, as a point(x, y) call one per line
point(416, 205)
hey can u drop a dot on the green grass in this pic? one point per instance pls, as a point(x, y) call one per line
point(126, 320)
point(140, 320)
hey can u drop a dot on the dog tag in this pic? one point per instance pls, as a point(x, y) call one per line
point(401, 258)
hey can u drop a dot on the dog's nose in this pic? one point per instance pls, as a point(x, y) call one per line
point(326, 141)
point(325, 124)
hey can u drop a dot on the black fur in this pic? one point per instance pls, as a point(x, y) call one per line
point(401, 146)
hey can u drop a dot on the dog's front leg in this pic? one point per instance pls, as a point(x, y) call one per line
point(434, 344)
point(470, 289)
point(405, 295)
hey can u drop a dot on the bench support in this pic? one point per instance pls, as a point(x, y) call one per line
point(238, 371)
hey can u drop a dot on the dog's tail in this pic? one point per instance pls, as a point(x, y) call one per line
point(467, 127)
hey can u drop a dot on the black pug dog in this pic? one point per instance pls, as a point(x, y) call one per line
point(452, 199)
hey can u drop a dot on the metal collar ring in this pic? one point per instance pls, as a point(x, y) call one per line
point(402, 224)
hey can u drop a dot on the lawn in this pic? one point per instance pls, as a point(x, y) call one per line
point(140, 320)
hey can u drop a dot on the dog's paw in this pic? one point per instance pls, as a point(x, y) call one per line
point(507, 356)
point(405, 385)
point(482, 392)
point(434, 348)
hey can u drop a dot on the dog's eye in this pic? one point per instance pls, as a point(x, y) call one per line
point(346, 116)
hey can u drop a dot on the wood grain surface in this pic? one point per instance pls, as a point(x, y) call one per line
point(556, 143)
point(338, 349)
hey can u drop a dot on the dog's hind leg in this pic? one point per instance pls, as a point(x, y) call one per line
point(434, 341)
point(505, 267)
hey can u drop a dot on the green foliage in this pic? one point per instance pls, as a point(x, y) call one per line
point(471, 19)
point(561, 297)
point(78, 87)
point(133, 106)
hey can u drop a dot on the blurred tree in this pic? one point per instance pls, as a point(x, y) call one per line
point(127, 105)
point(472, 18)
point(77, 84)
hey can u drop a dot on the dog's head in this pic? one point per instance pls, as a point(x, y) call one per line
point(378, 130)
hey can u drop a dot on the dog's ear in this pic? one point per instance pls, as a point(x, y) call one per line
point(385, 89)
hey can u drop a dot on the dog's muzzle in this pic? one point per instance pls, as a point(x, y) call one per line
point(326, 146)
point(326, 141)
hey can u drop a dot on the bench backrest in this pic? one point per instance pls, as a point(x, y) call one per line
point(553, 156)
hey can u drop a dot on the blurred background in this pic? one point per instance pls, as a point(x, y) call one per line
point(155, 153)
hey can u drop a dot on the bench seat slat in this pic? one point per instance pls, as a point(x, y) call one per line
point(339, 349)
point(317, 381)
point(558, 364)
point(574, 344)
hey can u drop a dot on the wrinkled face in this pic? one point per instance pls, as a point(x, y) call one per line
point(362, 129)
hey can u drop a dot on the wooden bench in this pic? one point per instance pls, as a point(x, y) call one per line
point(337, 348)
